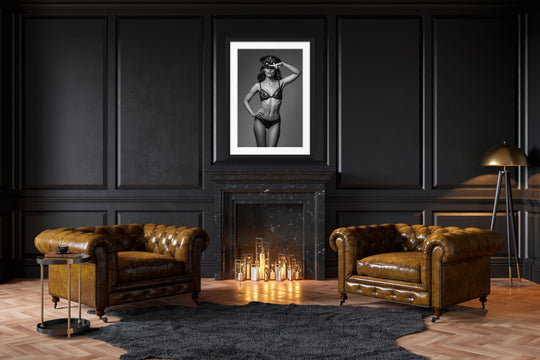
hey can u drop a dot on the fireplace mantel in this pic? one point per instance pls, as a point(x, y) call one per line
point(284, 177)
point(235, 188)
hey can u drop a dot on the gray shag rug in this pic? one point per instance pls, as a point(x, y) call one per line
point(262, 331)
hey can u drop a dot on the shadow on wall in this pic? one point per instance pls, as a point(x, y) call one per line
point(534, 162)
point(534, 157)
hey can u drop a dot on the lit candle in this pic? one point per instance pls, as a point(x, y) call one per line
point(289, 274)
point(262, 261)
point(278, 272)
point(254, 272)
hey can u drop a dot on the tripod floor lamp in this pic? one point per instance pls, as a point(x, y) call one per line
point(506, 155)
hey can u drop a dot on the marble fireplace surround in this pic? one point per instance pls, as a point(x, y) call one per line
point(307, 189)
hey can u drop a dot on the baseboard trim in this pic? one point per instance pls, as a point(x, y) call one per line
point(6, 270)
point(531, 270)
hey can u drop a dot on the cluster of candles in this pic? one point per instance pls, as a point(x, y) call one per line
point(260, 267)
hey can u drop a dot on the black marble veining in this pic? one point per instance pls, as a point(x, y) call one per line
point(284, 206)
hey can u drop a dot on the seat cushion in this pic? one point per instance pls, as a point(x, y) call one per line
point(142, 265)
point(404, 266)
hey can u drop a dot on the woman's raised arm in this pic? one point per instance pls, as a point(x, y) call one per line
point(295, 73)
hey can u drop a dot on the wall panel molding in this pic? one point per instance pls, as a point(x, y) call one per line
point(369, 217)
point(159, 125)
point(380, 102)
point(476, 67)
point(62, 114)
point(193, 218)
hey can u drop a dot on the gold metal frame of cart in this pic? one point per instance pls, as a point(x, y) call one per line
point(61, 261)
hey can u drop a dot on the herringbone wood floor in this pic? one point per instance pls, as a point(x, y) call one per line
point(509, 328)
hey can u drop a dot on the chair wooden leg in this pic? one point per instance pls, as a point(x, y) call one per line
point(195, 297)
point(436, 314)
point(100, 313)
point(483, 300)
point(343, 297)
point(55, 300)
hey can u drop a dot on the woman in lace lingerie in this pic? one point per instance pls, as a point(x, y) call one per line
point(269, 85)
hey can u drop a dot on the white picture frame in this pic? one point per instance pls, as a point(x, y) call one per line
point(295, 117)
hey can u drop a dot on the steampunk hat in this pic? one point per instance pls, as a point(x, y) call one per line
point(270, 60)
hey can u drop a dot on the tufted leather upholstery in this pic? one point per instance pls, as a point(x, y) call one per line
point(430, 266)
point(128, 262)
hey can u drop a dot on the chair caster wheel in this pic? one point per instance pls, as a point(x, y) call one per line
point(483, 300)
point(435, 318)
point(104, 319)
point(341, 302)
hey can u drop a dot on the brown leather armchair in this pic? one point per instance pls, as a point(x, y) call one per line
point(128, 263)
point(429, 266)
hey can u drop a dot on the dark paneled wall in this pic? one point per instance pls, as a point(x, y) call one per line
point(6, 195)
point(532, 126)
point(63, 75)
point(472, 92)
point(380, 106)
point(120, 111)
point(159, 102)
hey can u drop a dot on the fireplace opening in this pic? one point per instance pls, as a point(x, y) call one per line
point(269, 242)
point(284, 209)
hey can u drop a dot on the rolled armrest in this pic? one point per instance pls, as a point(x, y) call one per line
point(82, 240)
point(349, 244)
point(192, 242)
point(183, 242)
point(356, 242)
point(465, 243)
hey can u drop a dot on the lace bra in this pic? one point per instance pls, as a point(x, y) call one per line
point(264, 95)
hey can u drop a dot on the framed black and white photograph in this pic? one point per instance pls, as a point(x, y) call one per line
point(269, 97)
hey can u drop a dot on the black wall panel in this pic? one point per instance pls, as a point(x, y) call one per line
point(380, 118)
point(357, 218)
point(34, 222)
point(63, 102)
point(531, 268)
point(180, 218)
point(531, 22)
point(5, 235)
point(6, 246)
point(6, 92)
point(159, 102)
point(476, 87)
point(270, 28)
point(3, 90)
point(6, 227)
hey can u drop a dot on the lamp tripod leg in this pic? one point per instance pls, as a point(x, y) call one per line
point(510, 206)
point(496, 201)
point(508, 233)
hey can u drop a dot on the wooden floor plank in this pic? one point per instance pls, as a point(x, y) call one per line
point(509, 327)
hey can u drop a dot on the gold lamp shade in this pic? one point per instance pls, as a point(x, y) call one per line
point(504, 155)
